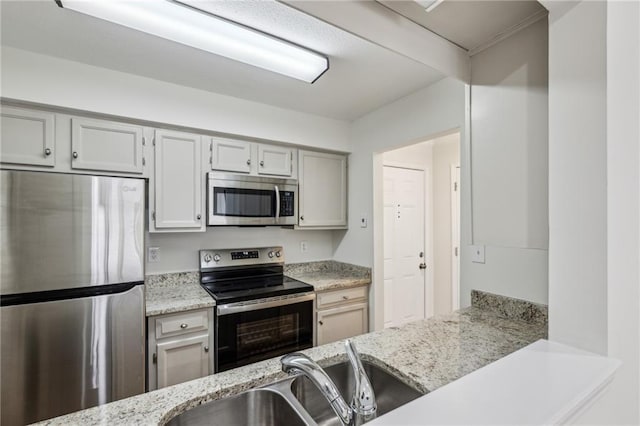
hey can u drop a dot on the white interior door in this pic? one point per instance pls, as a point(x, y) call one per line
point(404, 246)
point(455, 237)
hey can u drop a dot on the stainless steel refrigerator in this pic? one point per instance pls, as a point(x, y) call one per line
point(72, 294)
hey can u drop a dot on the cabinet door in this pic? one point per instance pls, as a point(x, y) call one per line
point(106, 145)
point(27, 137)
point(230, 155)
point(182, 359)
point(342, 323)
point(177, 181)
point(323, 190)
point(274, 160)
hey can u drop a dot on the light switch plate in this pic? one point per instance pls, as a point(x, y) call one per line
point(304, 246)
point(477, 254)
point(363, 221)
point(153, 255)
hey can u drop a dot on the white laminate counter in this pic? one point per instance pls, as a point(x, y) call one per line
point(542, 383)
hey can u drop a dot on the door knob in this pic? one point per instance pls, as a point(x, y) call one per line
point(423, 266)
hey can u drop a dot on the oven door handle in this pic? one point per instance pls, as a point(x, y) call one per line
point(277, 202)
point(235, 308)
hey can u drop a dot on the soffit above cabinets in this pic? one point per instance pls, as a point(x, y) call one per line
point(362, 76)
point(469, 23)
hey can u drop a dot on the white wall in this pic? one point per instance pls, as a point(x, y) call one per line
point(578, 177)
point(415, 118)
point(44, 79)
point(179, 252)
point(509, 154)
point(619, 292)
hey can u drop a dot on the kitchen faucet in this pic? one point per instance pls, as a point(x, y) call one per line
point(363, 401)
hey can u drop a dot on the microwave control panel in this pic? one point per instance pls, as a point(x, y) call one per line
point(286, 203)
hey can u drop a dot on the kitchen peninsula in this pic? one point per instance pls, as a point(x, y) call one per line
point(424, 354)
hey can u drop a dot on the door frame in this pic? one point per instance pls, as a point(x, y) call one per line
point(429, 292)
point(455, 236)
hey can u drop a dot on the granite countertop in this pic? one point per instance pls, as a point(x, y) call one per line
point(329, 275)
point(426, 354)
point(177, 292)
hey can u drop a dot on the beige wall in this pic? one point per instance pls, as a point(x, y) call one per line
point(446, 152)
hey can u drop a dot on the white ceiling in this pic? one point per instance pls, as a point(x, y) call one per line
point(361, 78)
point(468, 23)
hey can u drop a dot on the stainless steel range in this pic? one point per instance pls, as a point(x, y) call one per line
point(260, 313)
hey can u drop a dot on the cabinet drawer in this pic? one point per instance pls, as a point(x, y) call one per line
point(180, 323)
point(332, 298)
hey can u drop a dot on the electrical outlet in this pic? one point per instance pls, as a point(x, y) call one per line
point(477, 254)
point(154, 254)
point(303, 246)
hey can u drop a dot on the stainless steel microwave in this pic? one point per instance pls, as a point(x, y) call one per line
point(238, 200)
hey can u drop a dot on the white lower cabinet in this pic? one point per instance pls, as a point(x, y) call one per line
point(341, 314)
point(180, 347)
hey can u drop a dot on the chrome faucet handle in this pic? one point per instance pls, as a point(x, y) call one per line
point(363, 401)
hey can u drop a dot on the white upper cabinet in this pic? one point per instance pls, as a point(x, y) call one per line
point(231, 155)
point(323, 190)
point(238, 156)
point(177, 183)
point(106, 145)
point(27, 137)
point(275, 160)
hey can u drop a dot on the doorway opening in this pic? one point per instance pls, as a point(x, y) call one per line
point(420, 200)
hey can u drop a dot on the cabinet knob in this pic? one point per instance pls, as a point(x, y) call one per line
point(301, 217)
point(47, 152)
point(75, 154)
point(320, 322)
point(206, 348)
point(248, 162)
point(261, 163)
point(199, 217)
point(183, 325)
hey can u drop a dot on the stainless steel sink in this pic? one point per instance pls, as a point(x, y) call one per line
point(296, 401)
point(390, 391)
point(263, 407)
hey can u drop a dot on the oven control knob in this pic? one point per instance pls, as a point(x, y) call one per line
point(278, 254)
point(270, 255)
point(217, 258)
point(207, 258)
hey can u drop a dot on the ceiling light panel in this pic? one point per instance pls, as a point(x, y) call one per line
point(192, 27)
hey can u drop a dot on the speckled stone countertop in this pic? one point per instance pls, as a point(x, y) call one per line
point(177, 292)
point(425, 354)
point(329, 274)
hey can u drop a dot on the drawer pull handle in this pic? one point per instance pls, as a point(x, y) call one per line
point(183, 325)
point(320, 322)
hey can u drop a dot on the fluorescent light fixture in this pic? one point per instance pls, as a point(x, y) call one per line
point(184, 24)
point(429, 5)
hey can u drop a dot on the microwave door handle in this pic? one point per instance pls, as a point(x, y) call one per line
point(277, 202)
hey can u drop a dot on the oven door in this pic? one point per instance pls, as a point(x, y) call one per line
point(250, 200)
point(251, 332)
